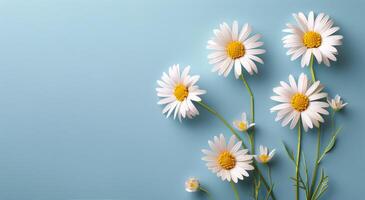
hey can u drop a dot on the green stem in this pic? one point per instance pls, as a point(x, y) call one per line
point(298, 160)
point(252, 108)
point(210, 197)
point(316, 164)
point(251, 98)
point(333, 121)
point(312, 68)
point(235, 190)
point(215, 113)
point(269, 173)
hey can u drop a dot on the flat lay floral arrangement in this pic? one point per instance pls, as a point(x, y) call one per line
point(302, 103)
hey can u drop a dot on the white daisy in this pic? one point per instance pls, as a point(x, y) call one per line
point(192, 185)
point(300, 100)
point(312, 35)
point(178, 91)
point(265, 156)
point(243, 125)
point(229, 161)
point(233, 48)
point(336, 103)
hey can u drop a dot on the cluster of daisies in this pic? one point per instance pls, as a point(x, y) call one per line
point(235, 48)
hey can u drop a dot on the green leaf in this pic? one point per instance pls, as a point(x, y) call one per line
point(268, 194)
point(331, 144)
point(321, 187)
point(289, 152)
point(306, 175)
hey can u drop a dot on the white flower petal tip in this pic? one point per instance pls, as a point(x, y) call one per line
point(192, 185)
point(300, 100)
point(178, 91)
point(336, 103)
point(312, 36)
point(234, 49)
point(242, 124)
point(228, 160)
point(264, 155)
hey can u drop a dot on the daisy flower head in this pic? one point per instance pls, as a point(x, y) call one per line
point(336, 103)
point(229, 161)
point(243, 125)
point(265, 156)
point(178, 91)
point(300, 101)
point(234, 49)
point(312, 36)
point(192, 184)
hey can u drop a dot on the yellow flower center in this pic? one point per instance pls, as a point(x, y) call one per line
point(181, 92)
point(193, 184)
point(264, 158)
point(299, 102)
point(226, 160)
point(242, 126)
point(235, 49)
point(312, 39)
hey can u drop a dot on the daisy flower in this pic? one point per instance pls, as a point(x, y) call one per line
point(178, 91)
point(234, 49)
point(312, 36)
point(229, 161)
point(265, 156)
point(336, 103)
point(243, 125)
point(300, 101)
point(192, 185)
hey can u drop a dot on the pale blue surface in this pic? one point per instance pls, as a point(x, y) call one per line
point(78, 112)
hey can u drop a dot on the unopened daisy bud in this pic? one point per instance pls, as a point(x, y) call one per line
point(192, 185)
point(336, 103)
point(264, 156)
point(243, 125)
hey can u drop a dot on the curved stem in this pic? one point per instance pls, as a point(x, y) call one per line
point(251, 136)
point(298, 160)
point(251, 98)
point(236, 195)
point(215, 113)
point(206, 192)
point(312, 68)
point(316, 164)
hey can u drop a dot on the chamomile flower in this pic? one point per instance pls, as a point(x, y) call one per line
point(265, 156)
point(243, 125)
point(192, 184)
point(312, 35)
point(336, 103)
point(178, 91)
point(229, 161)
point(300, 101)
point(234, 49)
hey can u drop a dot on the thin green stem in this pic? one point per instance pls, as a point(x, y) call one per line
point(333, 120)
point(316, 164)
point(269, 173)
point(237, 196)
point(298, 160)
point(215, 113)
point(312, 68)
point(252, 108)
point(210, 197)
point(251, 98)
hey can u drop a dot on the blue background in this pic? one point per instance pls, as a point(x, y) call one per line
point(78, 112)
